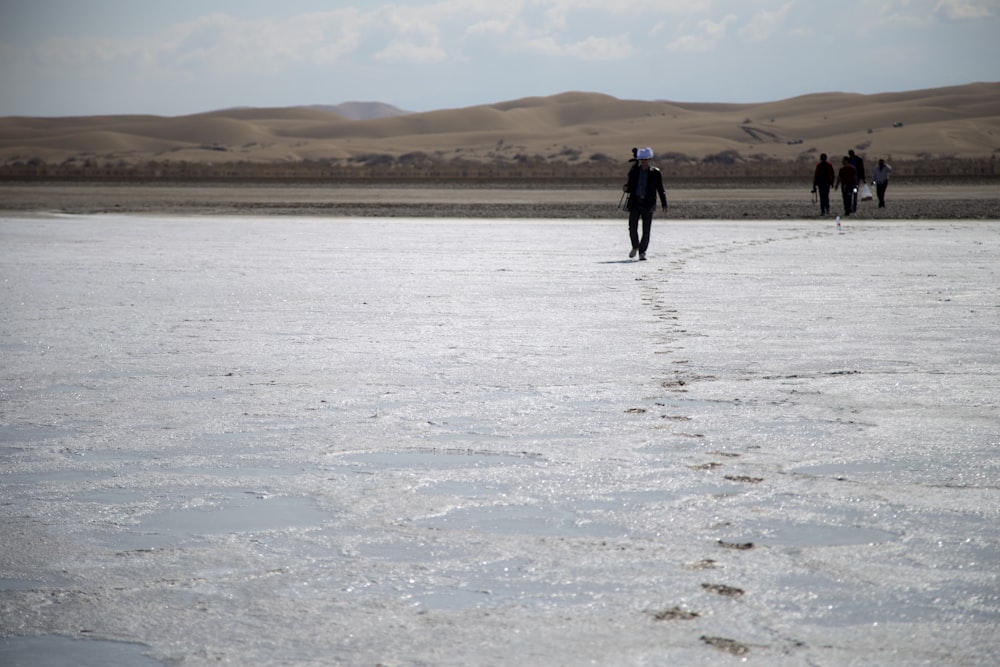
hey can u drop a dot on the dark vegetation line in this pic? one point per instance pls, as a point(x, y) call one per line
point(723, 167)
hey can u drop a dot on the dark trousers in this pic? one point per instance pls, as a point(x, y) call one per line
point(880, 193)
point(634, 214)
point(824, 199)
point(848, 193)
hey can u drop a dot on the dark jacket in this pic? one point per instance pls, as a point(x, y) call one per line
point(824, 174)
point(654, 188)
point(847, 177)
point(859, 166)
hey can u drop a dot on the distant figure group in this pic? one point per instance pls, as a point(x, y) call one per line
point(849, 178)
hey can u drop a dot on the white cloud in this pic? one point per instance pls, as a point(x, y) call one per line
point(765, 24)
point(413, 37)
point(489, 27)
point(407, 51)
point(219, 43)
point(708, 37)
point(426, 33)
point(589, 49)
point(966, 10)
point(433, 32)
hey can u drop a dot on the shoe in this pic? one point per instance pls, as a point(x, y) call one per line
point(642, 256)
point(632, 254)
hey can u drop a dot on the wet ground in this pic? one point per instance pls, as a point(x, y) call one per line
point(967, 200)
point(477, 442)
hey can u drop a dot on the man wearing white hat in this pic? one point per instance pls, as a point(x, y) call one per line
point(644, 184)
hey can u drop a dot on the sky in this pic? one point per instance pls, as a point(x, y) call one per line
point(92, 57)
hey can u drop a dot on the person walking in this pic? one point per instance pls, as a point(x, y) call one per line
point(847, 181)
point(823, 178)
point(643, 186)
point(858, 163)
point(881, 181)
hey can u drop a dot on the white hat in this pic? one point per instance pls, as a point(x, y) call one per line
point(644, 153)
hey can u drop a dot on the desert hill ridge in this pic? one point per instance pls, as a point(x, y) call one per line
point(957, 122)
point(349, 110)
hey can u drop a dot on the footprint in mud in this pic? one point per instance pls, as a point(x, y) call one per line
point(738, 546)
point(703, 564)
point(728, 645)
point(673, 614)
point(724, 590)
point(744, 478)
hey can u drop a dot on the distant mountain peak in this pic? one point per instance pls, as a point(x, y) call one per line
point(362, 110)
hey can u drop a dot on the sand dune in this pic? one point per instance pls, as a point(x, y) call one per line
point(959, 122)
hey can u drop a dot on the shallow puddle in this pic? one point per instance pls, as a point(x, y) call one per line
point(236, 513)
point(55, 651)
point(846, 469)
point(31, 434)
point(36, 479)
point(775, 533)
point(437, 460)
point(522, 519)
point(19, 584)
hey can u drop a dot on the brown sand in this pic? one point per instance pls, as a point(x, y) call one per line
point(905, 201)
point(578, 128)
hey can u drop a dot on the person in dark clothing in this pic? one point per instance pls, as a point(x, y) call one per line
point(644, 185)
point(847, 180)
point(859, 169)
point(823, 178)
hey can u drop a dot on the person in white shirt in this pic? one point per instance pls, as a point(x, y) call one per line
point(881, 182)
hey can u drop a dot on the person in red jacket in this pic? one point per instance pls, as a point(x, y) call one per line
point(847, 179)
point(823, 178)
